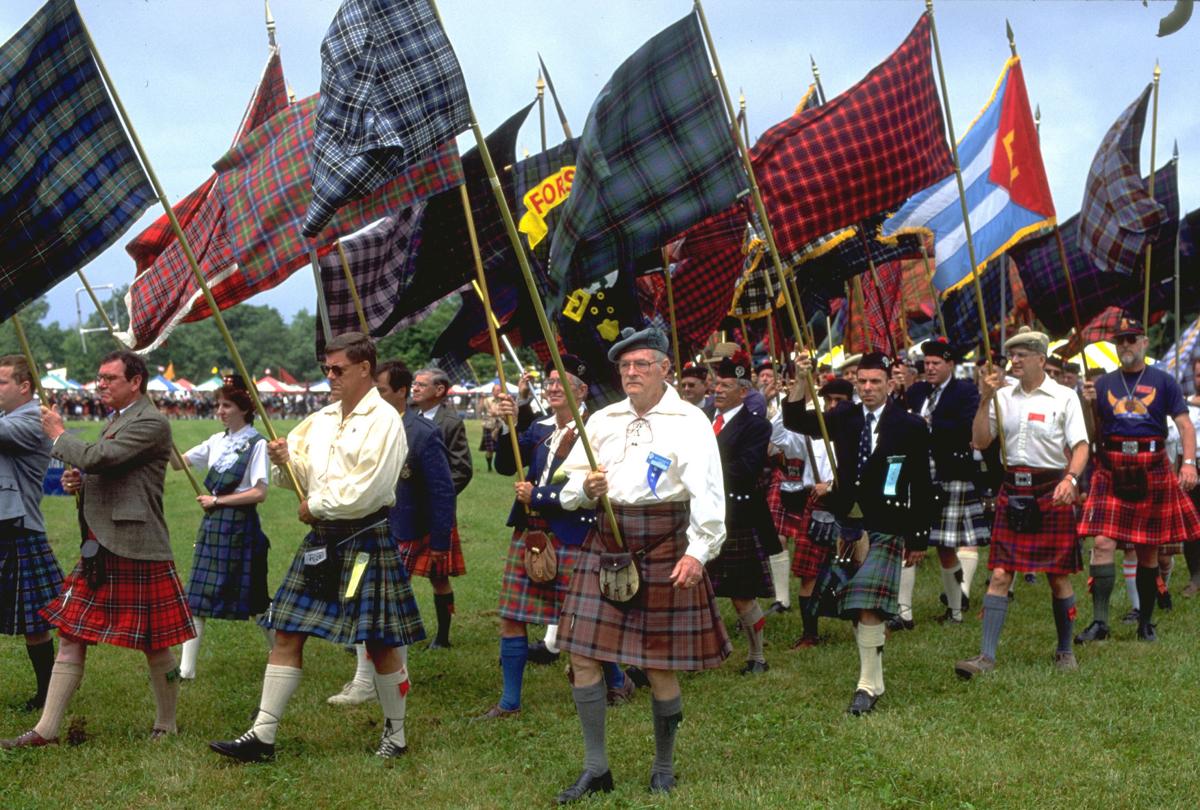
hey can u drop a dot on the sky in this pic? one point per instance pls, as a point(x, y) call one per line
point(185, 70)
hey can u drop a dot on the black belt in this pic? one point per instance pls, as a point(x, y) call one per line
point(1133, 446)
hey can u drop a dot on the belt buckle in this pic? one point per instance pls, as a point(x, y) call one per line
point(1024, 479)
point(1129, 448)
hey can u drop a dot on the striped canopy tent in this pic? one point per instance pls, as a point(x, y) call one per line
point(162, 385)
point(213, 383)
point(184, 383)
point(319, 387)
point(1100, 355)
point(270, 385)
point(54, 382)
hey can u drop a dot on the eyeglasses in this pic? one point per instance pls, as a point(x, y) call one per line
point(1126, 339)
point(335, 371)
point(107, 379)
point(642, 366)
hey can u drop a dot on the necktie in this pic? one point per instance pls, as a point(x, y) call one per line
point(933, 401)
point(864, 443)
point(718, 423)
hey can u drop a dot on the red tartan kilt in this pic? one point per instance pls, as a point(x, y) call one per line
point(1053, 549)
point(141, 606)
point(808, 558)
point(522, 599)
point(417, 559)
point(787, 522)
point(1166, 515)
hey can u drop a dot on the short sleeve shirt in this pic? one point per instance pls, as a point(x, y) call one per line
point(1138, 405)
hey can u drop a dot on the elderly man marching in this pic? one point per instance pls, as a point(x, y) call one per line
point(660, 467)
point(346, 583)
point(1135, 497)
point(1046, 450)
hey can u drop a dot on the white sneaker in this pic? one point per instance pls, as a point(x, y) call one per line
point(352, 694)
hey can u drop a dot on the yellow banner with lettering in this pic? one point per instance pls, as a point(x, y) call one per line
point(541, 200)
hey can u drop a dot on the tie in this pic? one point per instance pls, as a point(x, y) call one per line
point(933, 401)
point(864, 444)
point(718, 423)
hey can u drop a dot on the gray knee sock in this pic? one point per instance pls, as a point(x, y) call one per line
point(668, 714)
point(1103, 579)
point(995, 610)
point(591, 704)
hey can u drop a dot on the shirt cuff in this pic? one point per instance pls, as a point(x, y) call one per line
point(701, 549)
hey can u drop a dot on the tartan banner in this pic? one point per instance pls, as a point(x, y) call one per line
point(844, 254)
point(656, 157)
point(1177, 360)
point(1097, 329)
point(70, 183)
point(961, 310)
point(392, 93)
point(751, 297)
point(1119, 217)
point(543, 183)
point(706, 267)
point(866, 151)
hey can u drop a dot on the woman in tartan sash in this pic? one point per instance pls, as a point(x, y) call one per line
point(229, 567)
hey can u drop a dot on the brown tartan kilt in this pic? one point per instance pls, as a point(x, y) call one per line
point(808, 559)
point(663, 627)
point(1165, 515)
point(415, 555)
point(522, 599)
point(1054, 549)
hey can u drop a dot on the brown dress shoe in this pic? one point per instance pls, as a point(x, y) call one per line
point(497, 712)
point(30, 739)
point(623, 694)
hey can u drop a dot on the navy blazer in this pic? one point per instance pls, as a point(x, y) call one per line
point(425, 499)
point(533, 438)
point(743, 443)
point(900, 434)
point(951, 427)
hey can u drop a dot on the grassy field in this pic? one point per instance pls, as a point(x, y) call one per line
point(1114, 734)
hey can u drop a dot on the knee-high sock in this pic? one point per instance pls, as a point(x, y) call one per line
point(870, 639)
point(191, 648)
point(514, 652)
point(65, 677)
point(1129, 567)
point(614, 676)
point(1103, 578)
point(164, 680)
point(968, 558)
point(591, 705)
point(995, 610)
point(364, 670)
point(952, 589)
point(908, 581)
point(1147, 586)
point(41, 656)
point(753, 622)
point(668, 714)
point(808, 616)
point(551, 639)
point(279, 683)
point(1064, 621)
point(1191, 555)
point(443, 604)
point(780, 569)
point(392, 691)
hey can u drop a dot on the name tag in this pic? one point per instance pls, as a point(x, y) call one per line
point(315, 556)
point(656, 465)
point(895, 463)
point(1037, 417)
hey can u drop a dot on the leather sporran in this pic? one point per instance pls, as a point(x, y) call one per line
point(834, 578)
point(823, 528)
point(1023, 514)
point(541, 563)
point(620, 581)
point(1130, 482)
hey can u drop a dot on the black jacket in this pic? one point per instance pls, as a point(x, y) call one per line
point(900, 435)
point(743, 444)
point(951, 427)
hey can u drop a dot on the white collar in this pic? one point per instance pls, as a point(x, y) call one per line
point(552, 420)
point(878, 411)
point(432, 412)
point(729, 414)
point(671, 403)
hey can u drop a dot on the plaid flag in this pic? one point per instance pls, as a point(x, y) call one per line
point(845, 253)
point(1097, 329)
point(751, 297)
point(962, 312)
point(706, 267)
point(1178, 359)
point(391, 94)
point(1118, 216)
point(866, 151)
point(70, 183)
point(543, 183)
point(656, 156)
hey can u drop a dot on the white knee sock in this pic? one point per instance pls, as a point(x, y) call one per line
point(191, 648)
point(780, 569)
point(870, 657)
point(968, 558)
point(279, 683)
point(1129, 568)
point(551, 639)
point(65, 678)
point(908, 580)
point(364, 671)
point(392, 691)
point(952, 590)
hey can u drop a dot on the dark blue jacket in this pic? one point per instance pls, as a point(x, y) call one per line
point(951, 427)
point(425, 499)
point(743, 444)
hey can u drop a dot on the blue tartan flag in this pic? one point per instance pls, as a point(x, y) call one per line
point(70, 183)
point(656, 156)
point(391, 93)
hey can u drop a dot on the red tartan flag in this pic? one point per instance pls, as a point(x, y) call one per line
point(708, 264)
point(866, 151)
point(1098, 329)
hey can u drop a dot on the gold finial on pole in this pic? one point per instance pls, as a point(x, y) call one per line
point(270, 24)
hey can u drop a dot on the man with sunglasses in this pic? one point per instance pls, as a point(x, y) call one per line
point(693, 384)
point(659, 466)
point(346, 583)
point(1135, 497)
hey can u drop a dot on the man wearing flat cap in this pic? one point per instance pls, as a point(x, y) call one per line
point(881, 497)
point(1045, 452)
point(659, 465)
point(947, 405)
point(1135, 496)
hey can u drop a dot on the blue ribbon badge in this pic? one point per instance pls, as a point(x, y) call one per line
point(656, 465)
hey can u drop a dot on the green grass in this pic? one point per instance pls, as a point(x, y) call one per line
point(1115, 734)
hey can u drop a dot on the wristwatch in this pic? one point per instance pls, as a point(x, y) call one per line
point(1191, 461)
point(1074, 480)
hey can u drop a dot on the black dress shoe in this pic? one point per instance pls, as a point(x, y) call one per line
point(754, 668)
point(246, 748)
point(862, 703)
point(439, 645)
point(1096, 631)
point(1146, 633)
point(538, 654)
point(587, 784)
point(662, 782)
point(777, 607)
point(896, 623)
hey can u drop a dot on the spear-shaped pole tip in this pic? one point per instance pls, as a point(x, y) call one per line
point(1175, 152)
point(270, 23)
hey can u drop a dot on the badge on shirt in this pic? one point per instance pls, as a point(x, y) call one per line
point(895, 464)
point(656, 465)
point(1037, 417)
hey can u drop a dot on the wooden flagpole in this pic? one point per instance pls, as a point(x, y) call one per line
point(191, 257)
point(671, 312)
point(562, 116)
point(1153, 146)
point(358, 307)
point(937, 299)
point(322, 307)
point(1177, 313)
point(34, 372)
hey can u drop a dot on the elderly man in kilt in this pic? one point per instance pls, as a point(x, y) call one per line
point(124, 590)
point(948, 406)
point(346, 583)
point(1135, 496)
point(1045, 452)
point(880, 499)
point(742, 571)
point(29, 574)
point(423, 513)
point(660, 467)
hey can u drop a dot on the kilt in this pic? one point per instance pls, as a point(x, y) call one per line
point(808, 559)
point(141, 606)
point(663, 627)
point(876, 583)
point(1165, 515)
point(1053, 549)
point(229, 566)
point(383, 610)
point(742, 569)
point(415, 556)
point(487, 440)
point(522, 599)
point(961, 522)
point(788, 522)
point(29, 579)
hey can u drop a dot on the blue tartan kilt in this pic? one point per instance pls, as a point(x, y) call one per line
point(381, 611)
point(30, 578)
point(229, 566)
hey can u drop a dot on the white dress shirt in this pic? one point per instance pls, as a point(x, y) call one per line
point(727, 416)
point(220, 451)
point(553, 441)
point(1040, 426)
point(796, 446)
